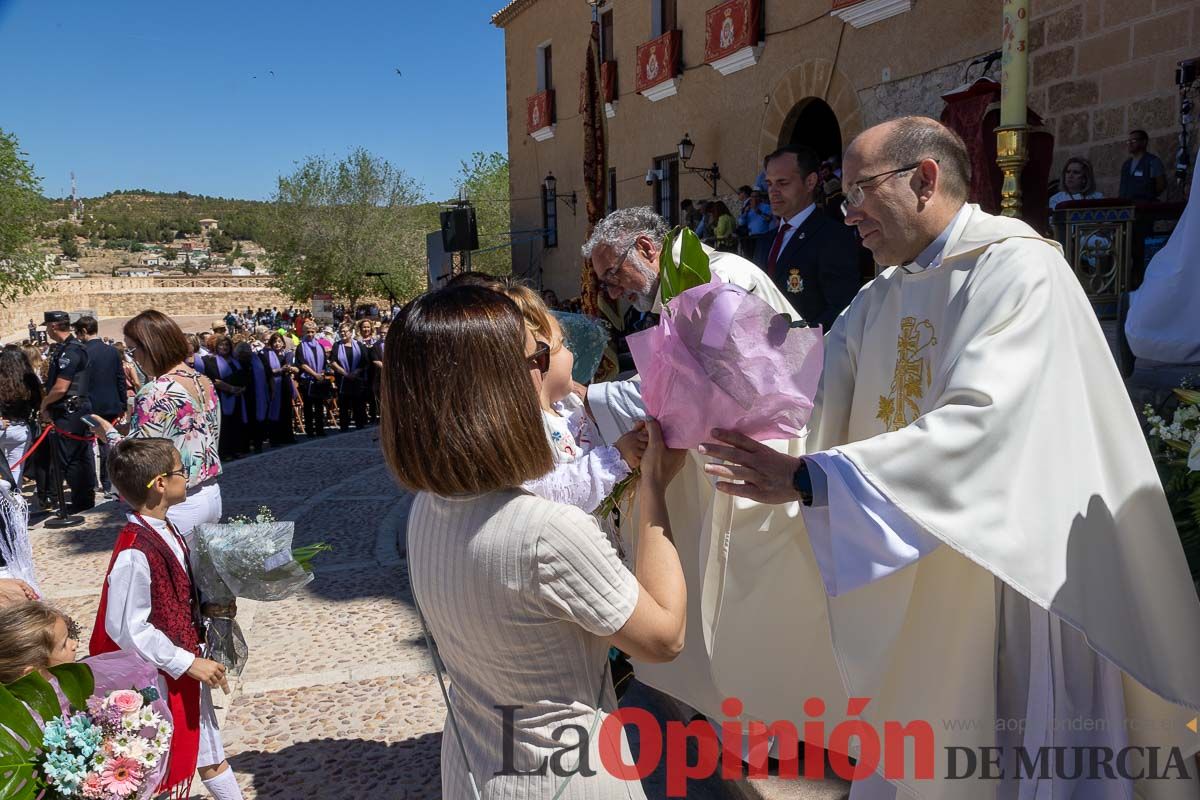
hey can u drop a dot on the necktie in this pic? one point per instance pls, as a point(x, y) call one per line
point(776, 247)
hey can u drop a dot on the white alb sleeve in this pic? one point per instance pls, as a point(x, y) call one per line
point(857, 536)
point(616, 406)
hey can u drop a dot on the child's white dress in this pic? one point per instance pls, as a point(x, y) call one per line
point(585, 472)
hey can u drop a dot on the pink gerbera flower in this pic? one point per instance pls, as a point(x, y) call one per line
point(122, 776)
point(92, 787)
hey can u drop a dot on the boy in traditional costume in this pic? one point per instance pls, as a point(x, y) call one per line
point(150, 606)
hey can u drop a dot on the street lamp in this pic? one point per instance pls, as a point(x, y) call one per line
point(711, 175)
point(551, 184)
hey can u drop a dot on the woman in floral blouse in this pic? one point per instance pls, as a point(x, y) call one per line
point(179, 404)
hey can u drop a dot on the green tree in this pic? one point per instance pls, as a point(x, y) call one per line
point(485, 178)
point(332, 222)
point(70, 248)
point(22, 268)
point(220, 242)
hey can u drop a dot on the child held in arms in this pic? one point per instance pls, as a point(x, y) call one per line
point(584, 474)
point(150, 606)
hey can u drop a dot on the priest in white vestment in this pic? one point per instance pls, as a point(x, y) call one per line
point(624, 251)
point(993, 539)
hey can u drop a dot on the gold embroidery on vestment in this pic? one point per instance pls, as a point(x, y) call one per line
point(912, 377)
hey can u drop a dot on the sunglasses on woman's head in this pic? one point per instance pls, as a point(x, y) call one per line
point(540, 360)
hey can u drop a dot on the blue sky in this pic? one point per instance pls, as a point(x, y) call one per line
point(171, 96)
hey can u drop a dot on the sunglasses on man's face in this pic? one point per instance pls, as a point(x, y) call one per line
point(540, 360)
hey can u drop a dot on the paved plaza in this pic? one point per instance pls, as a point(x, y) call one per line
point(338, 700)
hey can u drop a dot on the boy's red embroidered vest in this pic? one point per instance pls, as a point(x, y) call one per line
point(174, 610)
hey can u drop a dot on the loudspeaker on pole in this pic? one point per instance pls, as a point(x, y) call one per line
point(459, 232)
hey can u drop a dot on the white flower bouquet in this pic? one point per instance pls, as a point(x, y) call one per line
point(250, 558)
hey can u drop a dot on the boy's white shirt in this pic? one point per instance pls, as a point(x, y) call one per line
point(127, 616)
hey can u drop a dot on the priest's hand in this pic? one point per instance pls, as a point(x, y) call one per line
point(766, 474)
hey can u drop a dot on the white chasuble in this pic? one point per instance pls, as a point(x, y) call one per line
point(772, 581)
point(980, 399)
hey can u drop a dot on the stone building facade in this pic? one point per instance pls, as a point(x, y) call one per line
point(813, 71)
point(1100, 68)
point(125, 297)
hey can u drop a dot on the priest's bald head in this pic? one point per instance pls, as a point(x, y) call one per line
point(904, 179)
point(624, 249)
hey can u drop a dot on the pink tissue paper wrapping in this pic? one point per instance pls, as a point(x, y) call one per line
point(722, 358)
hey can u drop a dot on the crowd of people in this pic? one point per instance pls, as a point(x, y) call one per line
point(919, 548)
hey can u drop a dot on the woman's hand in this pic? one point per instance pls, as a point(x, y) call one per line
point(103, 425)
point(15, 590)
point(660, 463)
point(632, 445)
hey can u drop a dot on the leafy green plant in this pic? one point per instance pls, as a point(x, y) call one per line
point(20, 733)
point(691, 271)
point(1172, 443)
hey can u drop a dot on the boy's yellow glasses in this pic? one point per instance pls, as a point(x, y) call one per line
point(181, 472)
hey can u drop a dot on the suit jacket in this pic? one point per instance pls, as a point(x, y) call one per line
point(106, 379)
point(818, 270)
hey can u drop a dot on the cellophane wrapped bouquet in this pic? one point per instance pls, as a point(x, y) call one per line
point(252, 558)
point(116, 749)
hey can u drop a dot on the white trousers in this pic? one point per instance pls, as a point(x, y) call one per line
point(211, 750)
point(202, 505)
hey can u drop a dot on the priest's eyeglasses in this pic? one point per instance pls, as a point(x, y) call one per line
point(540, 360)
point(606, 278)
point(857, 191)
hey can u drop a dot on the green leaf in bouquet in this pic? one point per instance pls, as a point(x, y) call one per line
point(20, 742)
point(1189, 396)
point(304, 555)
point(692, 269)
point(76, 682)
point(668, 271)
point(613, 501)
point(1177, 445)
point(16, 717)
point(37, 693)
point(17, 781)
point(694, 266)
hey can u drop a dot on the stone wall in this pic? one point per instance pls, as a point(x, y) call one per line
point(918, 94)
point(125, 297)
point(1100, 68)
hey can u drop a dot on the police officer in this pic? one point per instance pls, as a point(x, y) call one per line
point(65, 404)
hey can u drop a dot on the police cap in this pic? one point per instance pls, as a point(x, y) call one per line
point(55, 317)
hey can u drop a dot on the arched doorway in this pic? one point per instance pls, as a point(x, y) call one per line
point(815, 80)
point(812, 123)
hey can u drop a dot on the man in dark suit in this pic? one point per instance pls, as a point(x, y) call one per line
point(812, 259)
point(106, 386)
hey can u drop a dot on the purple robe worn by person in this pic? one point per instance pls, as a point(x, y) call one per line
point(233, 407)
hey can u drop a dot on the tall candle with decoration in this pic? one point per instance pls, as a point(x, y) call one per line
point(1014, 62)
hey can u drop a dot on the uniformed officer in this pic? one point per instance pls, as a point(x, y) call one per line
point(65, 405)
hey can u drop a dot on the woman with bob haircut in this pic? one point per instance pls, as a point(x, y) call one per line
point(179, 404)
point(524, 596)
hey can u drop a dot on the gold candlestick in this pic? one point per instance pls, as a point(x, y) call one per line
point(1012, 153)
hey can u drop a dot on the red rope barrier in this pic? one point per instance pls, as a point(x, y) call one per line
point(30, 451)
point(42, 438)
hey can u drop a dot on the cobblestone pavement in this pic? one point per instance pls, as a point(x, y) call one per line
point(338, 700)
